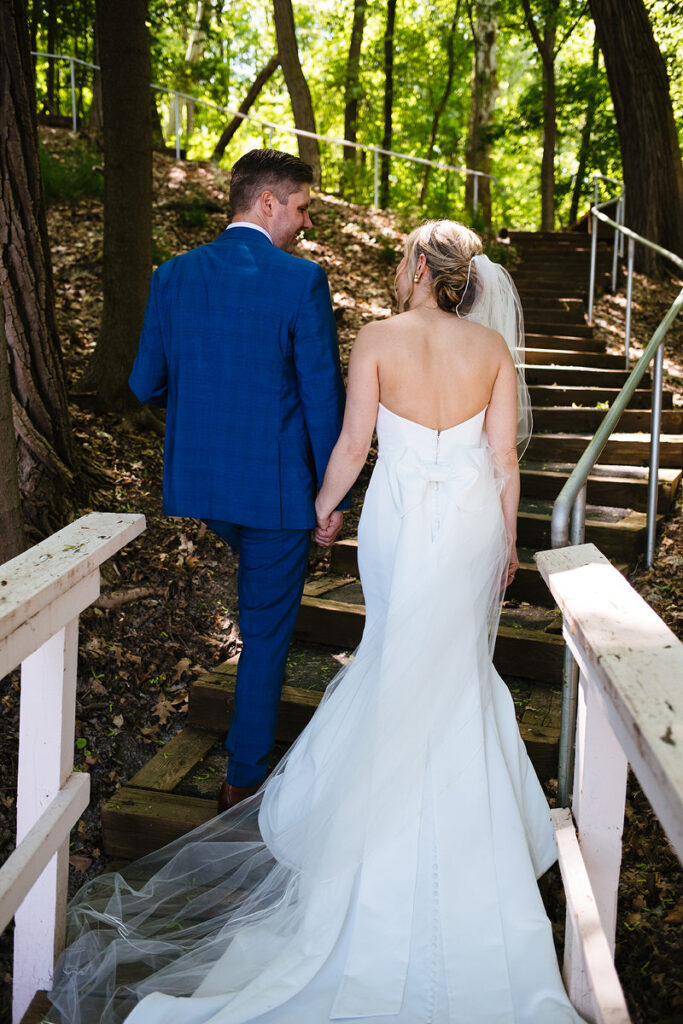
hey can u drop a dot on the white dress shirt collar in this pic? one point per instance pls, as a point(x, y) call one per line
point(248, 224)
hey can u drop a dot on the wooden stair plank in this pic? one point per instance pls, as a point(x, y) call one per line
point(618, 489)
point(39, 1007)
point(624, 449)
point(546, 355)
point(563, 395)
point(582, 420)
point(585, 377)
point(137, 821)
point(561, 340)
point(537, 327)
point(173, 761)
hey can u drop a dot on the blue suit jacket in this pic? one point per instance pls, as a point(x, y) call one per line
point(239, 343)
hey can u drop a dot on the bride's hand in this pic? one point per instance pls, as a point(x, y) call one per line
point(328, 527)
point(513, 566)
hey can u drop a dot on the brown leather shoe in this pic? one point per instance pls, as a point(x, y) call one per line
point(230, 795)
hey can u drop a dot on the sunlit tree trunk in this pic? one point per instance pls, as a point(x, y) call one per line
point(385, 162)
point(45, 460)
point(127, 248)
point(246, 104)
point(545, 44)
point(482, 103)
point(297, 86)
point(650, 154)
point(352, 88)
point(441, 105)
point(586, 132)
point(193, 54)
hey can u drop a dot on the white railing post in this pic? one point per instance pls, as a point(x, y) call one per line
point(46, 750)
point(615, 251)
point(594, 258)
point(475, 194)
point(74, 118)
point(176, 112)
point(653, 470)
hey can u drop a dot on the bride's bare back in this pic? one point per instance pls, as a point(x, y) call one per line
point(435, 368)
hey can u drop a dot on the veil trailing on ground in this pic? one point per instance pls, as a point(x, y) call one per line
point(495, 303)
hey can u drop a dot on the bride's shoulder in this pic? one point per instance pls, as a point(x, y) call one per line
point(377, 332)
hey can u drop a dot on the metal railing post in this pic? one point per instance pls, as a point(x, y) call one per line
point(271, 135)
point(475, 193)
point(570, 680)
point(622, 221)
point(74, 118)
point(176, 111)
point(653, 473)
point(615, 252)
point(376, 178)
point(594, 259)
point(629, 296)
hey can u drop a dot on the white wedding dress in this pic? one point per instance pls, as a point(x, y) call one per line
point(387, 870)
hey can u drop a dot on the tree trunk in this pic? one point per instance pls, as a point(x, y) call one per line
point(651, 159)
point(95, 120)
point(193, 54)
point(388, 102)
point(586, 133)
point(127, 248)
point(45, 455)
point(549, 132)
point(12, 539)
point(297, 86)
point(441, 105)
point(545, 44)
point(482, 105)
point(352, 89)
point(246, 104)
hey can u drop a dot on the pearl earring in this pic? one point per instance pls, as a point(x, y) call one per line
point(416, 278)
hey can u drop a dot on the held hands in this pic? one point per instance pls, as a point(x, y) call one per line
point(328, 528)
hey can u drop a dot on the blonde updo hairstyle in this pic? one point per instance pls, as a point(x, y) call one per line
point(448, 248)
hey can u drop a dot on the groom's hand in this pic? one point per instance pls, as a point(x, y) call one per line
point(327, 531)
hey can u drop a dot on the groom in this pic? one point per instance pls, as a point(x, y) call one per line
point(239, 343)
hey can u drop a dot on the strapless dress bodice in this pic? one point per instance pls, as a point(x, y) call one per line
point(394, 431)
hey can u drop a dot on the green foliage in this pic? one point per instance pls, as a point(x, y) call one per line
point(74, 173)
point(238, 38)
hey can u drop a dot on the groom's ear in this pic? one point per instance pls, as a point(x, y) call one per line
point(267, 201)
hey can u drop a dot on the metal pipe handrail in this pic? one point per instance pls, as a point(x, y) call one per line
point(377, 151)
point(571, 500)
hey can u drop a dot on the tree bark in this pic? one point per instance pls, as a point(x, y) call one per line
point(12, 538)
point(384, 191)
point(651, 159)
point(246, 104)
point(45, 456)
point(482, 104)
point(127, 247)
point(545, 44)
point(352, 88)
point(586, 133)
point(441, 105)
point(297, 86)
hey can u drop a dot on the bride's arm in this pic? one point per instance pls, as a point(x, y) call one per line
point(351, 450)
point(501, 428)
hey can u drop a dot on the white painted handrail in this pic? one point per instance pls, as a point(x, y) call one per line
point(630, 712)
point(377, 151)
point(42, 593)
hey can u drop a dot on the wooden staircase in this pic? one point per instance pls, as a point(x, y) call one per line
point(571, 380)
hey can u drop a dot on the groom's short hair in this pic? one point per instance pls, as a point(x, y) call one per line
point(262, 169)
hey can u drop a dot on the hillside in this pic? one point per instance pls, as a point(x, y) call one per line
point(168, 609)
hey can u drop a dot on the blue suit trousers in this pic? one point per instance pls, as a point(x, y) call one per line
point(270, 581)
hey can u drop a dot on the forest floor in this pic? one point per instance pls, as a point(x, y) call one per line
point(169, 611)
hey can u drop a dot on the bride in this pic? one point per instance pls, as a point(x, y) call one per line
point(387, 868)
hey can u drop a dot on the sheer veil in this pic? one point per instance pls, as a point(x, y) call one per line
point(496, 304)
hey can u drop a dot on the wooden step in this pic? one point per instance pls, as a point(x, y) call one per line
point(555, 394)
point(582, 420)
point(621, 449)
point(562, 341)
point(563, 313)
point(586, 377)
point(36, 1013)
point(575, 307)
point(564, 357)
point(614, 486)
point(525, 647)
point(618, 532)
point(139, 819)
point(551, 326)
